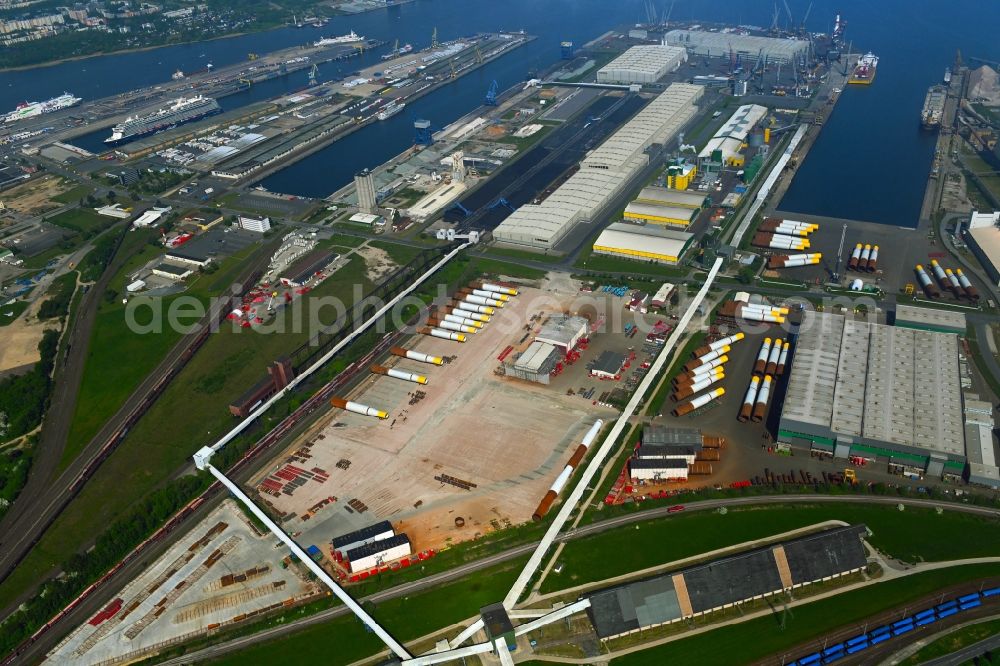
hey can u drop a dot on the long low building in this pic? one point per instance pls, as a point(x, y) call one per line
point(861, 388)
point(722, 44)
point(643, 64)
point(604, 175)
point(719, 584)
point(651, 213)
point(643, 243)
point(666, 196)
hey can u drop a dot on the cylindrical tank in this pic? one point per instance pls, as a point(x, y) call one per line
point(444, 335)
point(452, 326)
point(399, 374)
point(699, 468)
point(782, 360)
point(358, 408)
point(762, 356)
point(683, 392)
point(852, 264)
point(967, 285)
point(510, 291)
point(416, 356)
point(760, 407)
point(475, 307)
point(700, 401)
point(925, 282)
point(481, 300)
point(490, 294)
point(772, 358)
point(872, 260)
point(469, 314)
point(718, 344)
point(708, 455)
point(713, 442)
point(700, 372)
point(749, 400)
point(706, 358)
point(455, 319)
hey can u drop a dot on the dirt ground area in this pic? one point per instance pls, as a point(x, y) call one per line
point(378, 263)
point(35, 196)
point(222, 573)
point(470, 444)
point(21, 338)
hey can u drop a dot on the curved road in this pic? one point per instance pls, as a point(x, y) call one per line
point(524, 549)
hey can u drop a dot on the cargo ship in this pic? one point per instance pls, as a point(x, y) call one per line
point(32, 109)
point(864, 71)
point(930, 117)
point(183, 110)
point(947, 77)
point(402, 50)
point(389, 111)
point(350, 38)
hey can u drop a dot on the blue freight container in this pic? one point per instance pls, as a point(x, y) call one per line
point(878, 639)
point(926, 621)
point(857, 639)
point(857, 648)
point(970, 604)
point(991, 592)
point(833, 657)
point(946, 605)
point(810, 659)
point(924, 613)
point(947, 613)
point(839, 647)
point(967, 597)
point(884, 629)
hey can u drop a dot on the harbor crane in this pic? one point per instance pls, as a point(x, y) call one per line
point(313, 71)
point(491, 94)
point(840, 255)
point(434, 39)
point(789, 12)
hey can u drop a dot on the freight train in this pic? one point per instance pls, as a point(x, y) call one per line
point(919, 619)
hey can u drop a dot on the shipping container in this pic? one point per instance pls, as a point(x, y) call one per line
point(991, 592)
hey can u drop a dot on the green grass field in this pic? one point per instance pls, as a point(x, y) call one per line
point(73, 195)
point(658, 541)
point(512, 253)
point(758, 638)
point(604, 263)
point(191, 412)
point(9, 313)
point(345, 640)
point(401, 254)
point(954, 641)
point(106, 381)
point(83, 220)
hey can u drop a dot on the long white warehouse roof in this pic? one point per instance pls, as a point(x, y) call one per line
point(731, 136)
point(604, 173)
point(635, 238)
point(643, 64)
point(719, 44)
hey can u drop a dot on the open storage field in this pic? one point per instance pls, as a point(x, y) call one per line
point(509, 438)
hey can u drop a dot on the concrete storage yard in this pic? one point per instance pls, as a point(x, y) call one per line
point(510, 438)
point(183, 595)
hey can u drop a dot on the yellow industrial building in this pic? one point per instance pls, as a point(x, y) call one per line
point(643, 243)
point(681, 177)
point(665, 206)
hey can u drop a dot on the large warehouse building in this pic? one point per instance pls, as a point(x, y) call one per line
point(643, 243)
point(643, 64)
point(719, 584)
point(722, 44)
point(983, 238)
point(860, 388)
point(725, 148)
point(603, 175)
